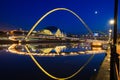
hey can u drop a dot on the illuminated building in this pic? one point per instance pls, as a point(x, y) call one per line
point(52, 30)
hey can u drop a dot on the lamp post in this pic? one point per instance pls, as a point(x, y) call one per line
point(114, 61)
point(111, 22)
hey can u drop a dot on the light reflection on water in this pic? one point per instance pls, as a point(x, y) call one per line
point(60, 60)
point(53, 49)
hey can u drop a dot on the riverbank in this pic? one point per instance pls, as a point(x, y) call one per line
point(7, 42)
point(37, 41)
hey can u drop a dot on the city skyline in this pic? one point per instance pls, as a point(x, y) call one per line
point(17, 14)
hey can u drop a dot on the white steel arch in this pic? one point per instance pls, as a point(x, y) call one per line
point(53, 10)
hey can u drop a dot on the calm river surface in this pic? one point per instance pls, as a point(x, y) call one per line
point(77, 61)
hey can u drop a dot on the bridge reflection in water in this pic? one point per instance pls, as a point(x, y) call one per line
point(62, 61)
point(54, 50)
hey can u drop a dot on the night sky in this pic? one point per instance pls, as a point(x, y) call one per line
point(15, 14)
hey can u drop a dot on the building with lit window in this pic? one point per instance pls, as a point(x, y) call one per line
point(52, 30)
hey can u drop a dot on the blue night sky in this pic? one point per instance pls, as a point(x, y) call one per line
point(15, 14)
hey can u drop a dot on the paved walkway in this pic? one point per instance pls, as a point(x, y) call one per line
point(104, 72)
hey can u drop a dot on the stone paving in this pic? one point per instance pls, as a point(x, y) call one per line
point(104, 71)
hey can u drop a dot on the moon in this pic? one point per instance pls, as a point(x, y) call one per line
point(96, 12)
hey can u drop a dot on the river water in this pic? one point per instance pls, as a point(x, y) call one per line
point(48, 61)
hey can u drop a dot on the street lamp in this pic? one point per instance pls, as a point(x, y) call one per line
point(111, 22)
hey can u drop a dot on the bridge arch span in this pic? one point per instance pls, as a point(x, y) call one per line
point(53, 10)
